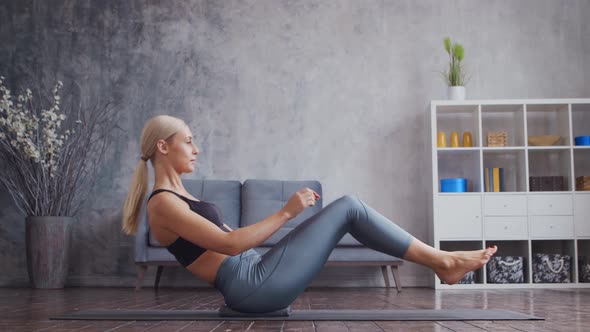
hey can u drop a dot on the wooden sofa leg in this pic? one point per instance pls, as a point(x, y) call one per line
point(395, 271)
point(140, 273)
point(385, 275)
point(158, 275)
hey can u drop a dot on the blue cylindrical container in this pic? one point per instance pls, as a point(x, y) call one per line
point(582, 140)
point(453, 185)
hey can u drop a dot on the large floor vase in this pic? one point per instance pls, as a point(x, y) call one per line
point(47, 244)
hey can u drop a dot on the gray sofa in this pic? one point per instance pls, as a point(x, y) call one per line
point(247, 203)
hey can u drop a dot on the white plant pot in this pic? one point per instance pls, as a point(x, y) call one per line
point(456, 92)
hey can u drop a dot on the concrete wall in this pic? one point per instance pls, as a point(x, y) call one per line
point(330, 90)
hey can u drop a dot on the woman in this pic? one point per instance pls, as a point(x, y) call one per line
point(194, 233)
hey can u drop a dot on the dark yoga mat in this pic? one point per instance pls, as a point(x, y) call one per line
point(336, 314)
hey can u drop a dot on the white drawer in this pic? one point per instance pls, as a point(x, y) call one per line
point(459, 217)
point(550, 205)
point(502, 228)
point(552, 227)
point(505, 205)
point(582, 214)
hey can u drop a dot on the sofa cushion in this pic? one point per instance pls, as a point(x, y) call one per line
point(262, 198)
point(223, 193)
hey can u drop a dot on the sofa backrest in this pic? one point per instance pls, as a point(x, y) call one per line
point(262, 198)
point(223, 193)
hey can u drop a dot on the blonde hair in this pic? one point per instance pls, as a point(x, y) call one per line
point(159, 127)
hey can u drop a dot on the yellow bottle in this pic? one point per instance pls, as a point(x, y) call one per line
point(454, 139)
point(441, 141)
point(467, 139)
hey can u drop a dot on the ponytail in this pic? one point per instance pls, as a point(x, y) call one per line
point(135, 198)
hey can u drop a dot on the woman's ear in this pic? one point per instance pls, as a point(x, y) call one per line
point(162, 146)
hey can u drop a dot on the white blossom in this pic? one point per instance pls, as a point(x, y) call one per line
point(21, 129)
point(37, 136)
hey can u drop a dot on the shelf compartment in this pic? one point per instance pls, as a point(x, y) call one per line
point(514, 165)
point(580, 120)
point(550, 162)
point(508, 118)
point(584, 261)
point(560, 247)
point(460, 164)
point(512, 248)
point(465, 246)
point(460, 217)
point(544, 119)
point(582, 214)
point(581, 165)
point(459, 118)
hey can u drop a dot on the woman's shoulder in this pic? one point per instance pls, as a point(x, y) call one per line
point(162, 201)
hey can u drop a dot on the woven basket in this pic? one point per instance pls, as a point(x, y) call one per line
point(546, 183)
point(497, 138)
point(583, 183)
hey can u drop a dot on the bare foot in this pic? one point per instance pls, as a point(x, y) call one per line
point(458, 263)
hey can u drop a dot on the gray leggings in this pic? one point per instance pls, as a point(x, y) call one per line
point(253, 283)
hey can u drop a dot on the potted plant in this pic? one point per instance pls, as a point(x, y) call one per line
point(455, 75)
point(49, 164)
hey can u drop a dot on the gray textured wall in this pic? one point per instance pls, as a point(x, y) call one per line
point(330, 90)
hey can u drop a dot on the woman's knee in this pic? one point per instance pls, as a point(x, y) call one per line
point(354, 205)
point(348, 199)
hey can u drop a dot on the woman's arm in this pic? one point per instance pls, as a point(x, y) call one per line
point(173, 214)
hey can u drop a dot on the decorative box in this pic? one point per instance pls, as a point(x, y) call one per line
point(505, 270)
point(582, 140)
point(583, 183)
point(453, 185)
point(497, 138)
point(546, 183)
point(584, 269)
point(551, 268)
point(469, 278)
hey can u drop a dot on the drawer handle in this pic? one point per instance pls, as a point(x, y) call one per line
point(546, 261)
point(505, 205)
point(505, 227)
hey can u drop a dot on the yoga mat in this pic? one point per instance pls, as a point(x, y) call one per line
point(320, 314)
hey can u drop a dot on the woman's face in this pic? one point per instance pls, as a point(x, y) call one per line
point(182, 152)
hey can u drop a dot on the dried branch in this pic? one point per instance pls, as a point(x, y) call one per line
point(50, 168)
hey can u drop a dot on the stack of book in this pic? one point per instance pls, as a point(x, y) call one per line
point(493, 179)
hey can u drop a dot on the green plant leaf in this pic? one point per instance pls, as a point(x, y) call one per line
point(458, 51)
point(447, 42)
point(455, 75)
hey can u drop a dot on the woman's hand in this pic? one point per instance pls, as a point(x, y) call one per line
point(299, 201)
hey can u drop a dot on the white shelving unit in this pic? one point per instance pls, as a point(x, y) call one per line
point(521, 222)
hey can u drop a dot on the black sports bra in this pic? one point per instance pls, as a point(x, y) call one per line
point(185, 251)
